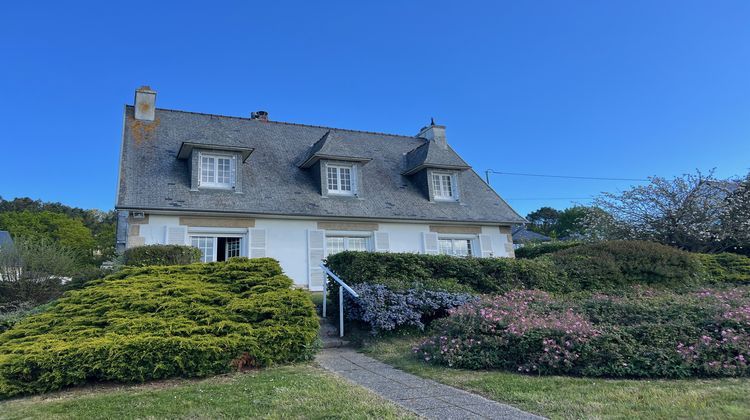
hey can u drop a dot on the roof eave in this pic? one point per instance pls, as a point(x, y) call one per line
point(422, 166)
point(316, 157)
point(186, 149)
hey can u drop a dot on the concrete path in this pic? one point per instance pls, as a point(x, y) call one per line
point(422, 396)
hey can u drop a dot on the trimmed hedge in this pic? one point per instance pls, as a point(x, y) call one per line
point(537, 250)
point(597, 266)
point(158, 322)
point(149, 255)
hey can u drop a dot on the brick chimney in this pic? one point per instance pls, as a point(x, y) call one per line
point(145, 103)
point(434, 133)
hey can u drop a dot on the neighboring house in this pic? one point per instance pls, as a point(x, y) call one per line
point(522, 236)
point(10, 267)
point(5, 239)
point(253, 187)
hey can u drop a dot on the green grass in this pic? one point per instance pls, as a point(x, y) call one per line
point(566, 397)
point(300, 391)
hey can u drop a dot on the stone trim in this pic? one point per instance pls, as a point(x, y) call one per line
point(456, 229)
point(134, 241)
point(132, 221)
point(368, 227)
point(229, 222)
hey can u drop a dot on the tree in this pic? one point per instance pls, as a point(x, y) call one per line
point(571, 222)
point(737, 217)
point(685, 212)
point(44, 225)
point(543, 220)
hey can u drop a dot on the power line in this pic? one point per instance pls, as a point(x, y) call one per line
point(595, 178)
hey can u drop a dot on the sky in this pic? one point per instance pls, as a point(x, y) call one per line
point(614, 89)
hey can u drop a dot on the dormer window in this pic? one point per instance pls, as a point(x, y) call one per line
point(443, 186)
point(340, 179)
point(217, 171)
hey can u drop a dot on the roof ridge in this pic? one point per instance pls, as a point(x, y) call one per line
point(286, 123)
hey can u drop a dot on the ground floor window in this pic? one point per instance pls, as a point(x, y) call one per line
point(336, 244)
point(456, 247)
point(217, 248)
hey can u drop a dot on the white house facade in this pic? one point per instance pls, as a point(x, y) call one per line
point(297, 193)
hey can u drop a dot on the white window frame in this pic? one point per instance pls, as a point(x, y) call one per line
point(336, 190)
point(347, 236)
point(473, 243)
point(215, 167)
point(216, 233)
point(438, 192)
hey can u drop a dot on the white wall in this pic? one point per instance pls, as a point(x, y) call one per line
point(287, 240)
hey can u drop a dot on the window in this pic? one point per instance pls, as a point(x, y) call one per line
point(336, 244)
point(455, 247)
point(206, 245)
point(232, 247)
point(443, 186)
point(340, 180)
point(216, 171)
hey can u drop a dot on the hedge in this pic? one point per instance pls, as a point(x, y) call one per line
point(158, 322)
point(537, 250)
point(149, 255)
point(640, 333)
point(596, 266)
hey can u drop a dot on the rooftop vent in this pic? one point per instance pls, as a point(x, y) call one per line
point(259, 115)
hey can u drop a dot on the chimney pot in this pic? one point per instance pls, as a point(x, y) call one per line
point(145, 103)
point(259, 115)
point(434, 132)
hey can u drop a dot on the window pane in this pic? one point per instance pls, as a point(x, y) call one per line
point(445, 246)
point(357, 244)
point(207, 169)
point(346, 179)
point(461, 247)
point(223, 175)
point(437, 189)
point(447, 187)
point(334, 245)
point(206, 245)
point(333, 183)
point(233, 247)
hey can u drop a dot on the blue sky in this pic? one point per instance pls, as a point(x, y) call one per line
point(583, 88)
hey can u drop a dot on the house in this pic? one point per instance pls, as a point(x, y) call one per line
point(255, 187)
point(5, 239)
point(522, 236)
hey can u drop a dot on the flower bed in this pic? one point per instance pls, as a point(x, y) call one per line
point(638, 333)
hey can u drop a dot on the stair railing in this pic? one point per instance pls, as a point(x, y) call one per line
point(342, 286)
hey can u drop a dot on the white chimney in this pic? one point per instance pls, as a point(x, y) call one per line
point(434, 133)
point(145, 103)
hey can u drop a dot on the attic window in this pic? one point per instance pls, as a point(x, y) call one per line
point(217, 171)
point(443, 186)
point(340, 180)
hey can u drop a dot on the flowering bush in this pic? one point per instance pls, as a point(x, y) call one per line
point(385, 310)
point(638, 333)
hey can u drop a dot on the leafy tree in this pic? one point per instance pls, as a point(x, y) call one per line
point(543, 220)
point(44, 225)
point(737, 218)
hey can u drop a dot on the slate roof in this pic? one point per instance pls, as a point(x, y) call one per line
point(430, 154)
point(333, 146)
point(523, 235)
point(5, 239)
point(152, 178)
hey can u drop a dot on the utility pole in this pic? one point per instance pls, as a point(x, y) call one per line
point(487, 176)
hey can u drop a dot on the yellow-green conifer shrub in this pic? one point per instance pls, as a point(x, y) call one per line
point(159, 322)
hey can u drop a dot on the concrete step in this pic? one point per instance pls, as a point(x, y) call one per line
point(329, 334)
point(330, 343)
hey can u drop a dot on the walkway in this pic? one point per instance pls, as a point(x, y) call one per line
point(422, 396)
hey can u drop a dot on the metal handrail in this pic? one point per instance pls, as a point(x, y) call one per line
point(343, 286)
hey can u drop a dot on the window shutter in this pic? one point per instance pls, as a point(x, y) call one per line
point(316, 241)
point(200, 168)
point(382, 242)
point(485, 246)
point(233, 172)
point(430, 242)
point(176, 235)
point(257, 243)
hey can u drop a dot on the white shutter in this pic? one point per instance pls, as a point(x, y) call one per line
point(257, 243)
point(175, 235)
point(200, 168)
point(485, 246)
point(233, 172)
point(316, 241)
point(382, 242)
point(430, 242)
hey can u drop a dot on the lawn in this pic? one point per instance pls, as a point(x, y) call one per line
point(567, 397)
point(299, 391)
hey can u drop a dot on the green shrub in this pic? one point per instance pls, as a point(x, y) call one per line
point(149, 255)
point(536, 250)
point(641, 333)
point(158, 322)
point(726, 267)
